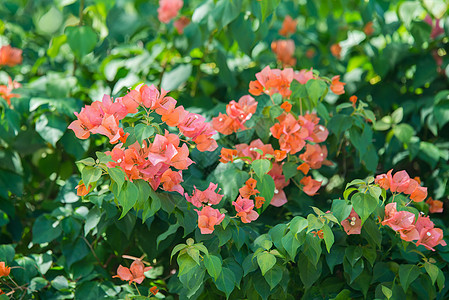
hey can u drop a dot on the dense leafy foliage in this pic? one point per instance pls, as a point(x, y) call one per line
point(283, 193)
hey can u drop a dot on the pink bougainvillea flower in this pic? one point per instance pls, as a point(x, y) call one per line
point(168, 9)
point(131, 101)
point(288, 26)
point(280, 183)
point(10, 56)
point(208, 217)
point(181, 23)
point(208, 196)
point(430, 238)
point(303, 76)
point(133, 274)
point(244, 208)
point(337, 87)
point(311, 186)
point(435, 206)
point(352, 224)
point(398, 220)
point(315, 156)
point(284, 50)
point(280, 155)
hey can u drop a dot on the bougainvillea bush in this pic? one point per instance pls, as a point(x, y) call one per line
point(223, 149)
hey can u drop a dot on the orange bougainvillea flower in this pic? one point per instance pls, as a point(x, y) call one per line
point(288, 26)
point(368, 29)
point(135, 273)
point(227, 155)
point(336, 50)
point(352, 224)
point(6, 90)
point(353, 100)
point(4, 270)
point(318, 233)
point(10, 56)
point(154, 290)
point(435, 206)
point(286, 106)
point(208, 217)
point(249, 189)
point(259, 201)
point(284, 50)
point(279, 155)
point(337, 87)
point(304, 167)
point(81, 189)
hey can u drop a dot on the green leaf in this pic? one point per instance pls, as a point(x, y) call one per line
point(55, 45)
point(213, 265)
point(51, 127)
point(81, 39)
point(341, 209)
point(268, 7)
point(261, 167)
point(143, 132)
point(371, 232)
point(328, 237)
point(403, 132)
point(171, 230)
point(226, 281)
point(312, 248)
point(289, 169)
point(127, 197)
point(7, 253)
point(397, 115)
point(118, 176)
point(45, 230)
point(353, 254)
point(432, 270)
point(176, 249)
point(309, 272)
point(364, 205)
point(265, 261)
point(387, 292)
point(339, 124)
point(316, 90)
point(429, 153)
point(408, 274)
point(266, 187)
point(90, 174)
point(92, 220)
point(291, 244)
point(176, 77)
point(186, 264)
point(298, 224)
point(274, 276)
point(60, 283)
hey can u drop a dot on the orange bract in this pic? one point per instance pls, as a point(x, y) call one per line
point(4, 270)
point(288, 26)
point(337, 87)
point(336, 50)
point(10, 56)
point(134, 273)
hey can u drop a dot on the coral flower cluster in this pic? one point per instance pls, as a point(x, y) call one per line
point(6, 90)
point(284, 50)
point(154, 162)
point(401, 182)
point(208, 217)
point(276, 81)
point(421, 232)
point(103, 117)
point(244, 205)
point(10, 56)
point(168, 9)
point(237, 113)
